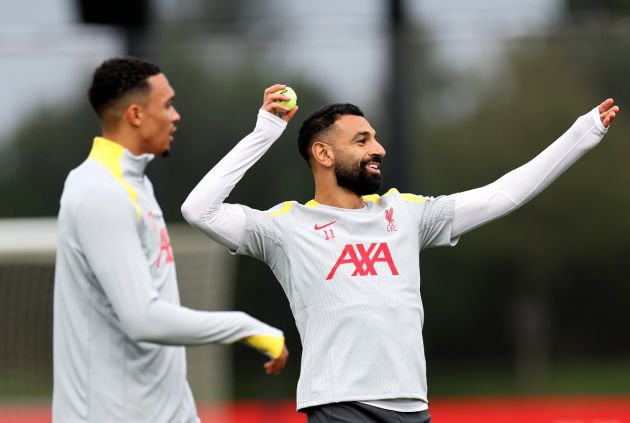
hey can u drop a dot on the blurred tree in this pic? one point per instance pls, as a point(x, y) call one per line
point(598, 5)
point(35, 162)
point(552, 273)
point(595, 35)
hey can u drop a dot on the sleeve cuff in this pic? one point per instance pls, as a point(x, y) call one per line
point(270, 117)
point(267, 344)
point(598, 122)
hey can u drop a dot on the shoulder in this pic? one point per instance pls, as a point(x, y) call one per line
point(91, 187)
point(281, 212)
point(394, 196)
point(282, 209)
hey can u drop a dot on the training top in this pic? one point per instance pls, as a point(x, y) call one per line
point(118, 326)
point(352, 276)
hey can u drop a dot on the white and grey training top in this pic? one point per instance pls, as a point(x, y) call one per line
point(118, 325)
point(352, 277)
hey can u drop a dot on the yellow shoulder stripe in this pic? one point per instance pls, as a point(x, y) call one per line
point(413, 198)
point(109, 154)
point(266, 344)
point(374, 198)
point(311, 204)
point(286, 207)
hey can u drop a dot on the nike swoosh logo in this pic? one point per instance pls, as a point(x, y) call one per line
point(317, 227)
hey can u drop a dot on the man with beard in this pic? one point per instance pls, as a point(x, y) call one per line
point(119, 329)
point(348, 260)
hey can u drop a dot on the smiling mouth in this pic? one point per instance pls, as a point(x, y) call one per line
point(373, 167)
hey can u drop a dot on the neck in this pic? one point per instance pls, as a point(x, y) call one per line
point(125, 139)
point(330, 194)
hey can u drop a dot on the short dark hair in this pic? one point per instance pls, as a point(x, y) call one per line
point(320, 121)
point(118, 77)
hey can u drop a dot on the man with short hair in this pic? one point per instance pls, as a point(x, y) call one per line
point(348, 260)
point(118, 325)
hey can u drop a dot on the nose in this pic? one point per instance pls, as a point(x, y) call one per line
point(176, 116)
point(378, 149)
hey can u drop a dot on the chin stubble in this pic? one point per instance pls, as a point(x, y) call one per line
point(358, 180)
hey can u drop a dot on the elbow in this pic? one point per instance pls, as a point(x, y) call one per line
point(193, 215)
point(189, 213)
point(137, 333)
point(138, 329)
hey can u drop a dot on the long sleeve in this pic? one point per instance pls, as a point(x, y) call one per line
point(478, 206)
point(204, 206)
point(110, 241)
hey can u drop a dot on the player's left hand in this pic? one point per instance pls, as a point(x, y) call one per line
point(275, 366)
point(608, 111)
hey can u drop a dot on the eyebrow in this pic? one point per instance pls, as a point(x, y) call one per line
point(363, 134)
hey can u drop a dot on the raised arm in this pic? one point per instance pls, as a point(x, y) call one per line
point(478, 206)
point(204, 206)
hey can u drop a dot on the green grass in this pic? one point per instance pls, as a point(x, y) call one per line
point(566, 377)
point(24, 385)
point(562, 378)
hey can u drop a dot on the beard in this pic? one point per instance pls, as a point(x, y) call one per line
point(166, 153)
point(356, 178)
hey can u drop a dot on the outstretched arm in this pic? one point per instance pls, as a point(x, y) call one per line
point(204, 206)
point(478, 206)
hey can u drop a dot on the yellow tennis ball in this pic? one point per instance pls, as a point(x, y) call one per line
point(288, 91)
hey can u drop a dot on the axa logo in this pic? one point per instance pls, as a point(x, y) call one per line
point(365, 259)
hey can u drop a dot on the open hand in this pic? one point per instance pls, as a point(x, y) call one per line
point(270, 104)
point(608, 111)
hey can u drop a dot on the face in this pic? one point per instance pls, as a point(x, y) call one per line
point(159, 117)
point(357, 155)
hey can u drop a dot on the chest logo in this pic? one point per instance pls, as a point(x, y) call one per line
point(328, 233)
point(389, 217)
point(165, 247)
point(364, 259)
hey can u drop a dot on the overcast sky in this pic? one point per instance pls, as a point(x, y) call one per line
point(44, 51)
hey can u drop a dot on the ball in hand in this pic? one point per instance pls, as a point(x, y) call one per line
point(288, 91)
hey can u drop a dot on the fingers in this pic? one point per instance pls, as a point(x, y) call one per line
point(609, 119)
point(274, 88)
point(275, 366)
point(270, 99)
point(605, 105)
point(608, 111)
point(289, 115)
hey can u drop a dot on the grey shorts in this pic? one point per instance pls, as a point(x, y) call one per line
point(356, 412)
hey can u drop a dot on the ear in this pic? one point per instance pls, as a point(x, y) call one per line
point(323, 154)
point(133, 114)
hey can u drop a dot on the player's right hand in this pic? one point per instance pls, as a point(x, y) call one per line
point(271, 105)
point(275, 366)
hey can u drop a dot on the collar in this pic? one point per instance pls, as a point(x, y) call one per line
point(117, 159)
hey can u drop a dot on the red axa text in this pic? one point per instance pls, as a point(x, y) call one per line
point(364, 259)
point(165, 247)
